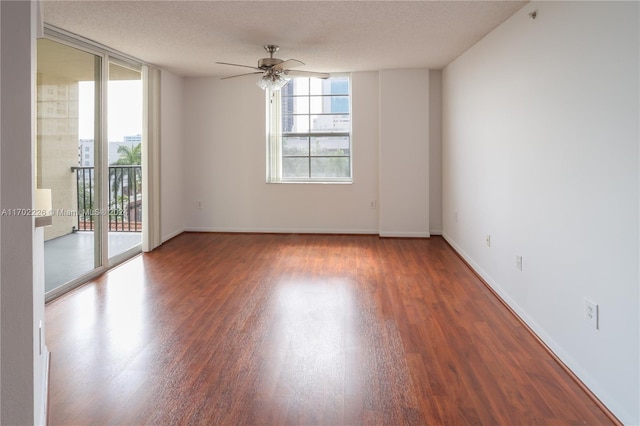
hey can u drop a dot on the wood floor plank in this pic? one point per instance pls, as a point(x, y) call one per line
point(294, 329)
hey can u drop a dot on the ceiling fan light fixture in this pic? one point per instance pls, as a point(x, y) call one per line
point(272, 82)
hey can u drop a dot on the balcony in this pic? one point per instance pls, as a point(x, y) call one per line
point(125, 198)
point(71, 254)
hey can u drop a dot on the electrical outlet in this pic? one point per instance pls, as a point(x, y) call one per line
point(487, 240)
point(199, 204)
point(372, 204)
point(519, 263)
point(591, 313)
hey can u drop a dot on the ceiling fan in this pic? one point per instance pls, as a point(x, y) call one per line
point(274, 71)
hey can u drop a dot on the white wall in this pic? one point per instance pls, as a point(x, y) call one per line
point(224, 159)
point(225, 165)
point(435, 152)
point(541, 152)
point(21, 279)
point(171, 155)
point(404, 153)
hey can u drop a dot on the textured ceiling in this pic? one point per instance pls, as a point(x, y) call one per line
point(188, 37)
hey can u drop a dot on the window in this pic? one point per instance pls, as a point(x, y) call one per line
point(310, 131)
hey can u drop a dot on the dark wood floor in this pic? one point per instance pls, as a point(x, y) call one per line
point(300, 329)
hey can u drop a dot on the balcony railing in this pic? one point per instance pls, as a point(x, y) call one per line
point(125, 198)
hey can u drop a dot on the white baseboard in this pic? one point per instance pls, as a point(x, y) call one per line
point(284, 230)
point(539, 331)
point(396, 234)
point(171, 235)
point(400, 234)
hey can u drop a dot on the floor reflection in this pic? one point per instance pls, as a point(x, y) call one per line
point(310, 331)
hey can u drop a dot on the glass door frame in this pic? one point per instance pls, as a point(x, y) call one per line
point(105, 56)
point(127, 254)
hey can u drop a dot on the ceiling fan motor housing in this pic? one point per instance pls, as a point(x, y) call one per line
point(266, 63)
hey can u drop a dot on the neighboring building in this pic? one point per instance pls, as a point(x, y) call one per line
point(57, 139)
point(133, 140)
point(85, 152)
point(86, 149)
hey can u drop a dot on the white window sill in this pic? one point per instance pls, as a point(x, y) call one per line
point(317, 182)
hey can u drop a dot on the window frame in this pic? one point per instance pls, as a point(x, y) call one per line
point(275, 137)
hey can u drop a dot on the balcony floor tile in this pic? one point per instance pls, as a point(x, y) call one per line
point(70, 256)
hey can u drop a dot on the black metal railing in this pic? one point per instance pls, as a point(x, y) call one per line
point(125, 198)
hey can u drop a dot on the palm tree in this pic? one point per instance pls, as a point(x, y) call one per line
point(129, 156)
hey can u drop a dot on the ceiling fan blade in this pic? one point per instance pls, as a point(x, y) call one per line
point(289, 63)
point(238, 65)
point(241, 75)
point(307, 74)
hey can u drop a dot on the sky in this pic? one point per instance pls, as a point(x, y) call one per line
point(124, 114)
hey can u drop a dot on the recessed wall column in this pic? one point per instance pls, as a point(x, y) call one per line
point(404, 153)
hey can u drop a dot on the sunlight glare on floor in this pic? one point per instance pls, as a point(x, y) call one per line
point(125, 311)
point(310, 331)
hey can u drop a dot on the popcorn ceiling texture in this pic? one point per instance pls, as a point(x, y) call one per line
point(188, 37)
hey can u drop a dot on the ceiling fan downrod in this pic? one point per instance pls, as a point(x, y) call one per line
point(271, 49)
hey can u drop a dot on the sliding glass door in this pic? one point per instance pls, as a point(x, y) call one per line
point(89, 153)
point(124, 120)
point(67, 152)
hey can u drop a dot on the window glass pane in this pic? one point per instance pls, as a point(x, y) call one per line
point(316, 86)
point(330, 145)
point(336, 167)
point(295, 124)
point(329, 104)
point(331, 86)
point(295, 146)
point(331, 123)
point(339, 86)
point(287, 106)
point(295, 105)
point(295, 167)
point(301, 105)
point(287, 124)
point(296, 87)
